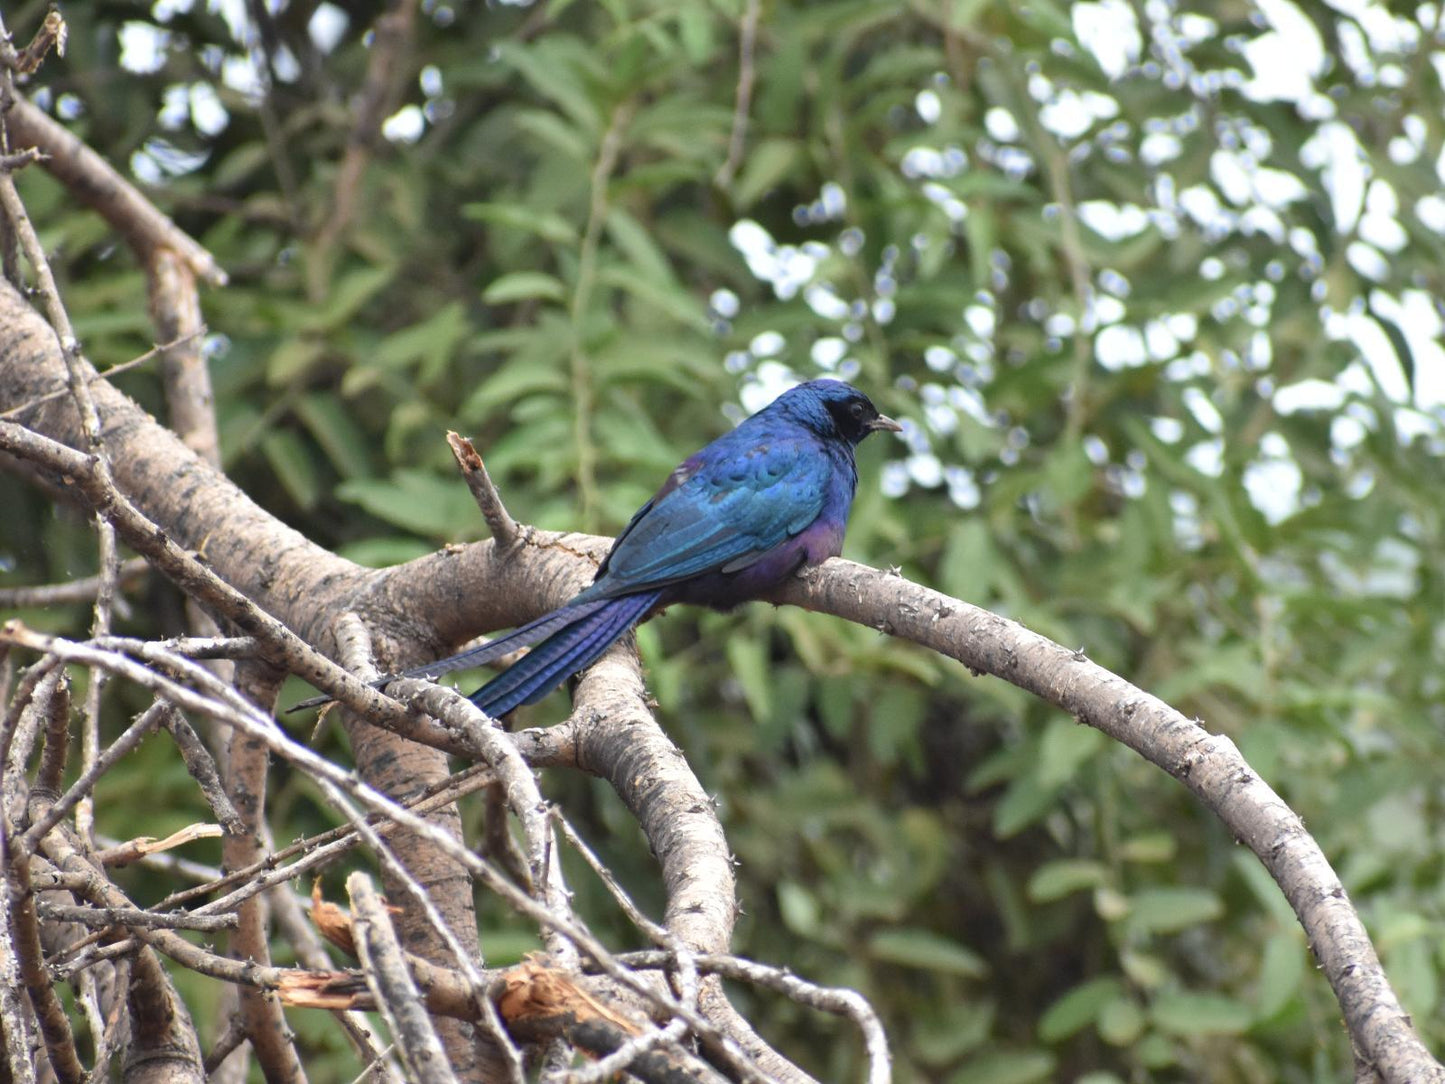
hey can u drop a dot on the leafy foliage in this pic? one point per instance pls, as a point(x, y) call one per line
point(1166, 335)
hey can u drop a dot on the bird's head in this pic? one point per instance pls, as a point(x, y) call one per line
point(832, 408)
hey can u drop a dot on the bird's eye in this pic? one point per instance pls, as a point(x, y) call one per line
point(856, 410)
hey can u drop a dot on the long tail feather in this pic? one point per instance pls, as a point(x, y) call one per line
point(569, 649)
point(524, 636)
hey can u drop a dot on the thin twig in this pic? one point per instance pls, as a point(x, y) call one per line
point(391, 984)
point(102, 918)
point(742, 102)
point(51, 35)
point(93, 182)
point(115, 370)
point(83, 787)
point(73, 591)
point(504, 528)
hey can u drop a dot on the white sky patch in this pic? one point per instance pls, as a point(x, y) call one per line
point(928, 105)
point(1113, 221)
point(787, 268)
point(925, 470)
point(143, 47)
point(1161, 343)
point(824, 300)
point(1110, 31)
point(1273, 481)
point(236, 18)
point(770, 380)
point(828, 352)
point(1368, 261)
point(239, 74)
point(406, 125)
point(163, 11)
point(1120, 347)
point(207, 113)
point(1205, 412)
point(1415, 314)
point(1167, 430)
point(1337, 154)
point(768, 344)
point(725, 303)
point(1376, 350)
point(1309, 394)
point(1071, 113)
point(1207, 457)
point(951, 205)
point(1001, 125)
point(1379, 224)
point(1286, 58)
point(327, 26)
point(1160, 147)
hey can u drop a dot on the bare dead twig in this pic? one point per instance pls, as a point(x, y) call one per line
point(93, 181)
point(742, 103)
point(199, 581)
point(175, 306)
point(218, 700)
point(57, 737)
point(142, 847)
point(837, 1000)
point(391, 984)
point(83, 787)
point(11, 163)
point(73, 591)
point(104, 918)
point(51, 35)
point(94, 375)
point(49, 1012)
point(377, 98)
point(499, 521)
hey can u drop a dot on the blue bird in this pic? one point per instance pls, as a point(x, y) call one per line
point(730, 524)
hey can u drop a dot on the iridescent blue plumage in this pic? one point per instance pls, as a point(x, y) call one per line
point(730, 524)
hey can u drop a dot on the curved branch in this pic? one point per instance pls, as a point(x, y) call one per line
point(1208, 764)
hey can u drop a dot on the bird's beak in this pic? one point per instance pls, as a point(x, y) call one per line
point(883, 421)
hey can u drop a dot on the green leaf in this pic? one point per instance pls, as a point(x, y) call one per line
point(747, 658)
point(1199, 1014)
point(547, 225)
point(1077, 1009)
point(1281, 971)
point(1120, 1021)
point(336, 430)
point(350, 293)
point(1006, 1067)
point(290, 361)
point(1025, 802)
point(523, 286)
point(764, 167)
point(431, 342)
point(912, 947)
point(1061, 877)
point(415, 501)
point(799, 909)
point(637, 244)
point(291, 463)
point(1066, 747)
point(1168, 910)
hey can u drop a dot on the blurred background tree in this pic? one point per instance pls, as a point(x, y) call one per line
point(1156, 286)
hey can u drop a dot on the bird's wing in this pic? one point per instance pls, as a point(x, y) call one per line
point(725, 513)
